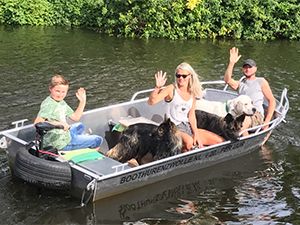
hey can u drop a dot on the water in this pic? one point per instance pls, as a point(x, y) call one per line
point(260, 188)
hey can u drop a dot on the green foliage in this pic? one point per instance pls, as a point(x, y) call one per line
point(172, 19)
point(25, 12)
point(67, 12)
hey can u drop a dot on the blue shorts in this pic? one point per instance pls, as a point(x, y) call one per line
point(80, 140)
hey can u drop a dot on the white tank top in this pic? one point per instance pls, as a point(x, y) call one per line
point(178, 108)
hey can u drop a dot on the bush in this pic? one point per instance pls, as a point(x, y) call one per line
point(172, 19)
point(26, 12)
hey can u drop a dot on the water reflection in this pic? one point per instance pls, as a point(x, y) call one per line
point(200, 196)
point(259, 199)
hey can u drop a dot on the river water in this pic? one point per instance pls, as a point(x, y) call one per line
point(260, 188)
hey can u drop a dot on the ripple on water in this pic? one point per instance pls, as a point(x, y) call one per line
point(296, 192)
point(258, 197)
point(4, 169)
point(286, 134)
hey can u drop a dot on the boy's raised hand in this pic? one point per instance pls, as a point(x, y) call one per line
point(81, 95)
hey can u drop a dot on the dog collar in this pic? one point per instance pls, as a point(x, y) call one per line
point(226, 106)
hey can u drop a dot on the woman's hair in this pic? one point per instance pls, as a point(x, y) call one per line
point(194, 85)
point(58, 79)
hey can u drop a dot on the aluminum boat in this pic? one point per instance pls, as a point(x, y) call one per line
point(98, 178)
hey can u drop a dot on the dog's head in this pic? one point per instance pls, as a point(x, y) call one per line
point(234, 124)
point(241, 105)
point(167, 127)
point(170, 143)
point(126, 148)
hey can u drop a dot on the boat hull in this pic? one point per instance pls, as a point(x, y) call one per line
point(174, 166)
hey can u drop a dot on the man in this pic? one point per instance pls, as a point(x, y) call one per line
point(257, 88)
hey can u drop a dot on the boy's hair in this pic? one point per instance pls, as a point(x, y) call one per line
point(58, 79)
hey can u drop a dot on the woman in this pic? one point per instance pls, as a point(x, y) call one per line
point(181, 97)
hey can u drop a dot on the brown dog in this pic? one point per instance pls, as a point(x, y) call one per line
point(147, 142)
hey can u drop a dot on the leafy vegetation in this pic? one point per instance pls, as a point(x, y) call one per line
point(172, 19)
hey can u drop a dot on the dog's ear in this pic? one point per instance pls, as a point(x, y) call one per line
point(167, 121)
point(241, 118)
point(160, 131)
point(170, 126)
point(161, 127)
point(228, 118)
point(165, 117)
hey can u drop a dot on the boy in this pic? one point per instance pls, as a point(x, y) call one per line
point(55, 111)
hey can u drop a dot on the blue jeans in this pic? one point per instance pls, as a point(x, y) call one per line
point(80, 140)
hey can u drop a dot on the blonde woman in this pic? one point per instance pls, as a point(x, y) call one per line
point(181, 96)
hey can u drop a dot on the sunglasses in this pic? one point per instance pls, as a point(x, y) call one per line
point(181, 75)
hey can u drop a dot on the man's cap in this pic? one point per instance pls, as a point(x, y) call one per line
point(249, 62)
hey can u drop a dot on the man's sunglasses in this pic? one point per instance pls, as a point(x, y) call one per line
point(181, 75)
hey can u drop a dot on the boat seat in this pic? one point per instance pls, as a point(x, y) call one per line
point(93, 161)
point(104, 166)
point(125, 122)
point(81, 155)
point(133, 120)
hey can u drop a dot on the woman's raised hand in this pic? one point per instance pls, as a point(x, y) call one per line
point(160, 78)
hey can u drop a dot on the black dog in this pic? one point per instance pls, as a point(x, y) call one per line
point(227, 127)
point(142, 139)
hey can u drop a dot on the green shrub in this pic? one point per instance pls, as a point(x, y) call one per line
point(26, 12)
point(172, 19)
point(67, 12)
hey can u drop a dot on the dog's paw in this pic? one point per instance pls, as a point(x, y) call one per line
point(132, 163)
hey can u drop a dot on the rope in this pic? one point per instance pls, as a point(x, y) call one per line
point(48, 153)
point(90, 187)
